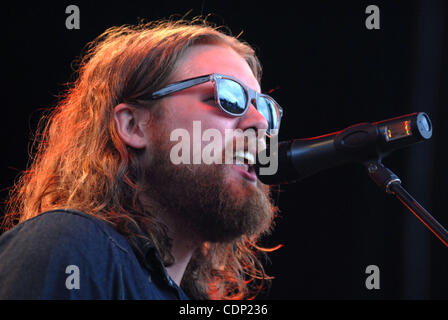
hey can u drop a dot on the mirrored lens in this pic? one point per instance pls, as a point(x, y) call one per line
point(232, 96)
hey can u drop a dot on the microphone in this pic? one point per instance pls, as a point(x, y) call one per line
point(301, 158)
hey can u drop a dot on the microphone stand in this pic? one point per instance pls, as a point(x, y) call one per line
point(391, 184)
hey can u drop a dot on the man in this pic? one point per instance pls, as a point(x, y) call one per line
point(105, 213)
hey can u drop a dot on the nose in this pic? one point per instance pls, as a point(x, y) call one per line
point(253, 119)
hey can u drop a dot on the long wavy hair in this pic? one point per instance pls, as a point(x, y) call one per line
point(80, 162)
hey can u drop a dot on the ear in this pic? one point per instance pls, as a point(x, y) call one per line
point(132, 123)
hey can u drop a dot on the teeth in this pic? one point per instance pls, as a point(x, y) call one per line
point(241, 155)
point(239, 161)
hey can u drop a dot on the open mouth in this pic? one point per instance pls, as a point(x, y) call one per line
point(244, 161)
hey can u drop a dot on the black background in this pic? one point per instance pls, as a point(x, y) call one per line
point(329, 72)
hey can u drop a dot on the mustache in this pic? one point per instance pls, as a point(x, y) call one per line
point(245, 145)
point(214, 146)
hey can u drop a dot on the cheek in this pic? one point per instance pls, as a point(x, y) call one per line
point(217, 134)
point(202, 127)
point(201, 141)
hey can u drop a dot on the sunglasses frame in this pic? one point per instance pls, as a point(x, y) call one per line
point(251, 95)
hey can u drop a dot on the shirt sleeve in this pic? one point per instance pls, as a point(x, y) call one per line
point(58, 256)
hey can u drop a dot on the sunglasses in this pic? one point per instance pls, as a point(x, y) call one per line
point(233, 98)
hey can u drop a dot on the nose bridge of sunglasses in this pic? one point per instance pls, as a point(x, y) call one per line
point(253, 101)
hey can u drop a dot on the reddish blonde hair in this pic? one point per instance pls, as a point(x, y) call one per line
point(80, 162)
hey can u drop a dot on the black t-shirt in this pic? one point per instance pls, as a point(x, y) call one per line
point(68, 254)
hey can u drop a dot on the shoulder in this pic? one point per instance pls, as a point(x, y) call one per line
point(37, 255)
point(64, 227)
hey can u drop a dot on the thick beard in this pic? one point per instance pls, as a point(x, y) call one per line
point(205, 201)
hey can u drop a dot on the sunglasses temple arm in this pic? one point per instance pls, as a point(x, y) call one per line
point(181, 85)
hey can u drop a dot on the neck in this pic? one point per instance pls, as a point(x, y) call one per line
point(184, 240)
point(182, 251)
